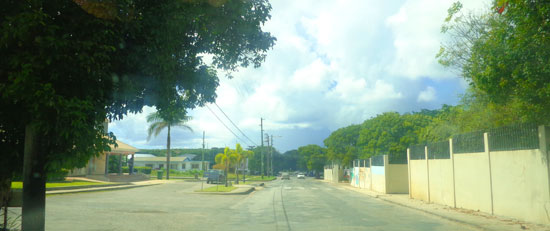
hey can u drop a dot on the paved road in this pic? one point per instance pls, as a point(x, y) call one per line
point(282, 205)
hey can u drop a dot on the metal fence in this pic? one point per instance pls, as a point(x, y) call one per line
point(514, 137)
point(468, 143)
point(439, 150)
point(397, 158)
point(377, 160)
point(417, 152)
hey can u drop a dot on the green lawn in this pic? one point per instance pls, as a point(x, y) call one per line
point(219, 188)
point(259, 178)
point(19, 184)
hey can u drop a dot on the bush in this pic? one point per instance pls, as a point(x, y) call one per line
point(142, 169)
point(58, 175)
point(126, 169)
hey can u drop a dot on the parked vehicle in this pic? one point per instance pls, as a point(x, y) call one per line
point(285, 176)
point(214, 176)
point(300, 176)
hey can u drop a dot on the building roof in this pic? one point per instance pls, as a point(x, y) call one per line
point(161, 158)
point(122, 148)
point(141, 155)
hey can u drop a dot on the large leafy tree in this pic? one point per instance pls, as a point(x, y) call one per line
point(508, 58)
point(176, 117)
point(342, 144)
point(68, 64)
point(314, 157)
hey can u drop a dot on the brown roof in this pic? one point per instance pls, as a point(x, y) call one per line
point(123, 148)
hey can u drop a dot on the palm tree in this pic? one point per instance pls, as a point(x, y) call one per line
point(159, 122)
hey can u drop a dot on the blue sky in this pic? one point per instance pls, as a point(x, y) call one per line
point(335, 63)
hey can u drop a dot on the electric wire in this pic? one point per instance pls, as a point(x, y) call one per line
point(235, 124)
point(226, 126)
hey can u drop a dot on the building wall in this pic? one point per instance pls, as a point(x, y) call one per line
point(368, 178)
point(520, 184)
point(418, 180)
point(378, 179)
point(397, 178)
point(441, 181)
point(472, 183)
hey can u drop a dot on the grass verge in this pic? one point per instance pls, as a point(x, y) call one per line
point(219, 188)
point(19, 184)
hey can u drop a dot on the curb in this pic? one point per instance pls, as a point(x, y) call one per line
point(96, 189)
point(381, 197)
point(248, 191)
point(85, 187)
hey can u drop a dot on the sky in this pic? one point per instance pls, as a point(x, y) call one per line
point(335, 63)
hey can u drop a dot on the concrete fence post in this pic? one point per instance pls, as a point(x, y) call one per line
point(427, 171)
point(452, 156)
point(370, 164)
point(544, 153)
point(488, 153)
point(386, 178)
point(409, 170)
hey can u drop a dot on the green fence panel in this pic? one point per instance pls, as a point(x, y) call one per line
point(439, 150)
point(398, 158)
point(417, 152)
point(377, 160)
point(468, 143)
point(514, 137)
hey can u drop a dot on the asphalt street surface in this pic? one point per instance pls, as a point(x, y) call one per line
point(293, 204)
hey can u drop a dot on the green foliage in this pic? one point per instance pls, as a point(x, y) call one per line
point(57, 175)
point(63, 78)
point(313, 156)
point(139, 169)
point(504, 55)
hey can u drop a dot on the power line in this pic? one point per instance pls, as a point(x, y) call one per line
point(226, 126)
point(234, 124)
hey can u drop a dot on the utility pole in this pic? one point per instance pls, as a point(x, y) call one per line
point(262, 149)
point(202, 163)
point(202, 152)
point(268, 153)
point(271, 154)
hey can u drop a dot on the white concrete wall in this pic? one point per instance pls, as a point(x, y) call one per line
point(441, 181)
point(418, 180)
point(378, 179)
point(472, 183)
point(397, 178)
point(520, 185)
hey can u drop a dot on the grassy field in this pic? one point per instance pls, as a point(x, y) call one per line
point(259, 178)
point(219, 188)
point(19, 184)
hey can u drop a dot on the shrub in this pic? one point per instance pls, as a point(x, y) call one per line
point(142, 169)
point(58, 175)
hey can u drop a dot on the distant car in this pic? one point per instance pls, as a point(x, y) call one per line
point(301, 176)
point(214, 176)
point(285, 176)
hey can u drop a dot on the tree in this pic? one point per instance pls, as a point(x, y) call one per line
point(176, 118)
point(342, 144)
point(68, 65)
point(227, 158)
point(314, 156)
point(509, 59)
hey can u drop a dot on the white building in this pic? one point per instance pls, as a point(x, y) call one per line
point(181, 163)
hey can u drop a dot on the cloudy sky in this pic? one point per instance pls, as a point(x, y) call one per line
point(335, 63)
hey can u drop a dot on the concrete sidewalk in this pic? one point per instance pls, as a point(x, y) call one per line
point(240, 190)
point(474, 219)
point(108, 187)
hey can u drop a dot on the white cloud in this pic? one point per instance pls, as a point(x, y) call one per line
point(426, 95)
point(335, 63)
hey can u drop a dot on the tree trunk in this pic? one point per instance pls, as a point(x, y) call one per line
point(34, 182)
point(168, 155)
point(5, 192)
point(226, 170)
point(244, 172)
point(237, 173)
